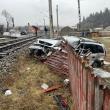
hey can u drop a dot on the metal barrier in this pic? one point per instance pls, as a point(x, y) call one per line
point(89, 92)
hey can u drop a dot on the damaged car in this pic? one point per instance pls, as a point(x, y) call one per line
point(84, 45)
point(97, 52)
point(44, 47)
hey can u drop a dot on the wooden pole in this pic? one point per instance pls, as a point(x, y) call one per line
point(57, 20)
point(79, 12)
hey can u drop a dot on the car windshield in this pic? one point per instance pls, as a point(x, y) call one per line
point(45, 43)
point(36, 44)
point(41, 45)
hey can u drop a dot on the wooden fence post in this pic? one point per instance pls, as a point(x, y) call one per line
point(97, 95)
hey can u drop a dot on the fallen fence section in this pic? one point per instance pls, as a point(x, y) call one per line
point(58, 62)
point(90, 87)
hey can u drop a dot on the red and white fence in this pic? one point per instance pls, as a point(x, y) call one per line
point(89, 92)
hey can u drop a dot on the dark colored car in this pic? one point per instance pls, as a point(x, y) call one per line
point(23, 33)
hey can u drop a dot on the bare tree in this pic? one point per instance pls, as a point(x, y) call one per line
point(9, 18)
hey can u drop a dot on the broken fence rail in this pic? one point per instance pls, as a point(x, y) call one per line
point(58, 62)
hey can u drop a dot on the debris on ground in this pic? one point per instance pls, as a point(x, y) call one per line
point(8, 92)
point(44, 86)
point(66, 82)
point(25, 80)
point(61, 102)
point(53, 88)
point(28, 69)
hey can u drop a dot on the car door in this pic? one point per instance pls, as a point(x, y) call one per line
point(97, 51)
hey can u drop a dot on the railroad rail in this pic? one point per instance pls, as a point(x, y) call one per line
point(10, 46)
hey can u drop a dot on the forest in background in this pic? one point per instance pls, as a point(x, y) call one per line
point(95, 20)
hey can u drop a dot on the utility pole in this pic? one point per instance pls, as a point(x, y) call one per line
point(29, 29)
point(44, 27)
point(51, 19)
point(44, 22)
point(57, 20)
point(13, 22)
point(79, 12)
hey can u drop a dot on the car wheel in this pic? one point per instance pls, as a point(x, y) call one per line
point(97, 64)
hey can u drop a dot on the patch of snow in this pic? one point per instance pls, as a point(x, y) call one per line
point(101, 73)
point(106, 63)
point(8, 92)
point(6, 34)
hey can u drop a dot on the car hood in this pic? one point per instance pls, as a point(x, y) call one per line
point(51, 41)
point(35, 47)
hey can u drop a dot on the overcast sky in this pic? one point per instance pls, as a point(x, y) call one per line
point(34, 11)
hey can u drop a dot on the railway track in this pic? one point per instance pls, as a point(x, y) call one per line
point(8, 47)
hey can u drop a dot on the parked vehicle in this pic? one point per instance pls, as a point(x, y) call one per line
point(23, 33)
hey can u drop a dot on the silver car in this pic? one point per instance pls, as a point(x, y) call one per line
point(84, 45)
point(43, 47)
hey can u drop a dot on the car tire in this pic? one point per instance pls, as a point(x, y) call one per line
point(97, 64)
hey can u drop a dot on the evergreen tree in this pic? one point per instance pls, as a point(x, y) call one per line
point(97, 19)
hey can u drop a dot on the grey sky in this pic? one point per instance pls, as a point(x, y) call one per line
point(34, 11)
